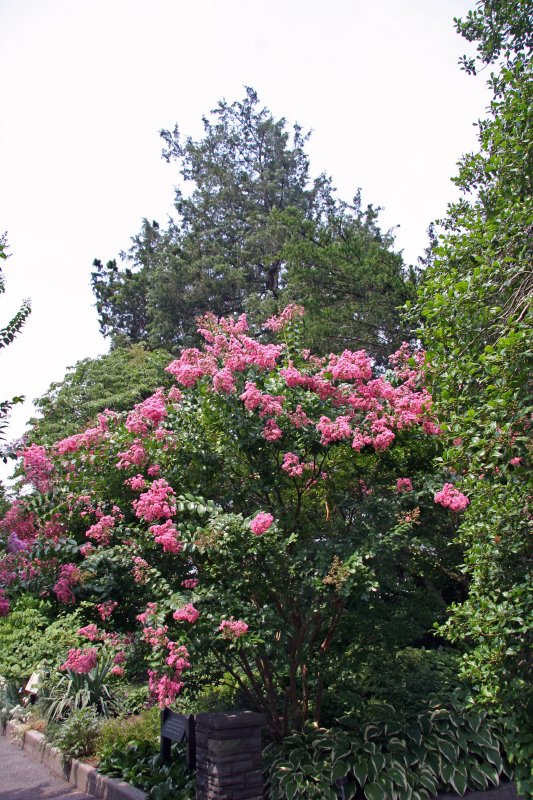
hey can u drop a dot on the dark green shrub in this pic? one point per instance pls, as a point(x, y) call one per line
point(449, 747)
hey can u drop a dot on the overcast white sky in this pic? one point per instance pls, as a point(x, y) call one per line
point(86, 85)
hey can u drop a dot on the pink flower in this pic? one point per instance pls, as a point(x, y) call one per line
point(261, 523)
point(404, 485)
point(135, 456)
point(90, 632)
point(148, 414)
point(4, 604)
point(69, 576)
point(187, 613)
point(86, 549)
point(118, 671)
point(37, 467)
point(232, 628)
point(101, 530)
point(451, 498)
point(167, 536)
point(139, 571)
point(137, 483)
point(106, 608)
point(334, 430)
point(120, 657)
point(515, 462)
point(293, 466)
point(271, 431)
point(190, 583)
point(81, 661)
point(156, 503)
point(289, 313)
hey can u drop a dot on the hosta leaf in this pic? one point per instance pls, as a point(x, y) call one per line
point(447, 771)
point(492, 754)
point(291, 789)
point(490, 772)
point(459, 783)
point(340, 768)
point(371, 731)
point(378, 762)
point(360, 771)
point(414, 733)
point(373, 791)
point(448, 750)
point(478, 778)
point(428, 781)
point(397, 774)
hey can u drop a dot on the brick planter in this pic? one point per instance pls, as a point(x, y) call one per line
point(229, 765)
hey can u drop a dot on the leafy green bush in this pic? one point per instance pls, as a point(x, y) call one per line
point(405, 679)
point(142, 766)
point(29, 639)
point(448, 747)
point(117, 734)
point(77, 735)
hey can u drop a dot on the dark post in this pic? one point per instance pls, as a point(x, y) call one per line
point(229, 765)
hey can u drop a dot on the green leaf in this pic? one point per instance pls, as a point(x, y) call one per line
point(340, 769)
point(373, 791)
point(448, 750)
point(360, 770)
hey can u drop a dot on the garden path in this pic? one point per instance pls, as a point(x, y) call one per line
point(22, 778)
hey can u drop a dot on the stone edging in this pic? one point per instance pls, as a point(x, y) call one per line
point(82, 776)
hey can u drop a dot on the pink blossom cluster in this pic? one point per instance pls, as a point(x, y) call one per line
point(227, 348)
point(293, 466)
point(156, 637)
point(37, 467)
point(19, 522)
point(451, 498)
point(271, 431)
point(233, 628)
point(88, 439)
point(269, 405)
point(90, 632)
point(106, 609)
point(290, 312)
point(404, 485)
point(165, 688)
point(134, 456)
point(4, 604)
point(87, 548)
point(148, 414)
point(140, 569)
point(187, 613)
point(81, 661)
point(157, 502)
point(147, 616)
point(190, 583)
point(137, 483)
point(261, 523)
point(69, 576)
point(334, 430)
point(101, 531)
point(167, 536)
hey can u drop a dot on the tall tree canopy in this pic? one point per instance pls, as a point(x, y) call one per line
point(476, 306)
point(254, 230)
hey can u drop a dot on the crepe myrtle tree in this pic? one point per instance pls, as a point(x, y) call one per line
point(259, 515)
